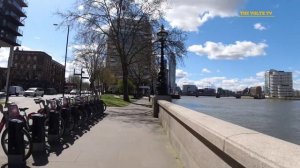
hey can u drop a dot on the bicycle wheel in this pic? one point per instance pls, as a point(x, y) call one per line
point(27, 143)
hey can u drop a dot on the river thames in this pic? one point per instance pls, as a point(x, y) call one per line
point(277, 118)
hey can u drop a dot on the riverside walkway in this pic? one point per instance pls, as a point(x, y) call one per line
point(127, 137)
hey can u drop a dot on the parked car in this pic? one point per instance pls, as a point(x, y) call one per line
point(74, 92)
point(34, 92)
point(15, 90)
point(85, 92)
point(50, 91)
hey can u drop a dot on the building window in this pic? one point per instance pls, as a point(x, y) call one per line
point(34, 66)
point(34, 58)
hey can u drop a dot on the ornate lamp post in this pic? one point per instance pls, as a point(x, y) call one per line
point(162, 87)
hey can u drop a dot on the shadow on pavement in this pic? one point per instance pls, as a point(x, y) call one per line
point(141, 104)
point(6, 166)
point(41, 158)
point(136, 113)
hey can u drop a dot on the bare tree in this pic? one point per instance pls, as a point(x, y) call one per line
point(91, 55)
point(122, 21)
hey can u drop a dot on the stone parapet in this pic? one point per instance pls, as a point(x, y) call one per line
point(205, 141)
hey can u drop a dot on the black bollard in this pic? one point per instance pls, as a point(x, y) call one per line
point(38, 133)
point(53, 130)
point(16, 150)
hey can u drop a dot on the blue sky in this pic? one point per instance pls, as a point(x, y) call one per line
point(224, 49)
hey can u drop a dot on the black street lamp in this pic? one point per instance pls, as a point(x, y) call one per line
point(162, 87)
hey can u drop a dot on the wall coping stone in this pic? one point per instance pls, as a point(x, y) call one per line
point(248, 147)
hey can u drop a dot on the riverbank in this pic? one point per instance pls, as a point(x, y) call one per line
point(283, 98)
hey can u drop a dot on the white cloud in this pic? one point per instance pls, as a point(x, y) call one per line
point(296, 74)
point(238, 50)
point(70, 66)
point(184, 81)
point(37, 38)
point(259, 26)
point(296, 84)
point(80, 7)
point(205, 70)
point(4, 54)
point(188, 15)
point(260, 74)
point(180, 73)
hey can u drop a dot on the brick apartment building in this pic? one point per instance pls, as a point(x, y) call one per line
point(3, 72)
point(36, 69)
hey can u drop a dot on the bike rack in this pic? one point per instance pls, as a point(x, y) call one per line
point(16, 151)
point(53, 130)
point(38, 133)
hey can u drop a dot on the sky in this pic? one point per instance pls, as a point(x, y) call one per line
point(225, 49)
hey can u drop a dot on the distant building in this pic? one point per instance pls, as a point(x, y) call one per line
point(36, 69)
point(297, 93)
point(3, 72)
point(11, 18)
point(189, 89)
point(207, 92)
point(278, 84)
point(256, 92)
point(138, 44)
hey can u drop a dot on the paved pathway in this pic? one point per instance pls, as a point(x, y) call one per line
point(128, 137)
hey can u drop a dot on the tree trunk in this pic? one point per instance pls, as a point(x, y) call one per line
point(125, 83)
point(92, 86)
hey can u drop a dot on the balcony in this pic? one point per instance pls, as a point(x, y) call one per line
point(13, 29)
point(14, 6)
point(11, 16)
point(9, 39)
point(23, 3)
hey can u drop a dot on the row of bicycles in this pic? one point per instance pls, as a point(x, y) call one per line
point(72, 113)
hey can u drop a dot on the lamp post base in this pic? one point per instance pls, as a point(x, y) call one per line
point(155, 103)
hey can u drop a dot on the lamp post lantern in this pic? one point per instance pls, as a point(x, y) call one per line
point(162, 87)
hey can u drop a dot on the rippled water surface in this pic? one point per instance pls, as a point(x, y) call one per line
point(278, 118)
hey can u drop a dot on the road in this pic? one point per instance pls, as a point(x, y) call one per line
point(22, 101)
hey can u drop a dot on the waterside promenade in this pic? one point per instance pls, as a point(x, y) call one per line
point(127, 137)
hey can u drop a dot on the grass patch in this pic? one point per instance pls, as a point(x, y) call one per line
point(113, 100)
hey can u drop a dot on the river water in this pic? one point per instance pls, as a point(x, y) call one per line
point(277, 118)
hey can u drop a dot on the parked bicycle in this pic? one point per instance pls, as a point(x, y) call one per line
point(63, 107)
point(13, 112)
point(47, 106)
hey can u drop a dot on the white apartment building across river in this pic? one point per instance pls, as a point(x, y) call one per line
point(278, 83)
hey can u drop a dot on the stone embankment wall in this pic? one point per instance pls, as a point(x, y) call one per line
point(208, 142)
